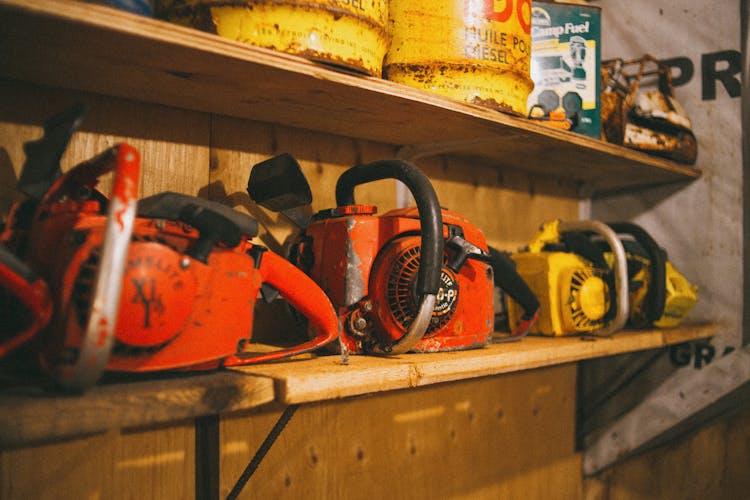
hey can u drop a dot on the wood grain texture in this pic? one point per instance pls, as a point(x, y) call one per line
point(31, 415)
point(509, 436)
point(69, 44)
point(507, 205)
point(173, 143)
point(154, 463)
point(327, 378)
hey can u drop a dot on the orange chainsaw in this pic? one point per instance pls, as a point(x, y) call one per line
point(413, 279)
point(168, 282)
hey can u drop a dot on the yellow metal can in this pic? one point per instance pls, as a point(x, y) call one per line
point(348, 33)
point(472, 50)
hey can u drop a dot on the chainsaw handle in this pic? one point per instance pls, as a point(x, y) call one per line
point(620, 268)
point(656, 296)
point(18, 279)
point(99, 334)
point(303, 294)
point(430, 217)
point(214, 221)
point(506, 276)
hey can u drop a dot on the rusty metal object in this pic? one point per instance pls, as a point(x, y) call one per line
point(649, 120)
point(472, 50)
point(345, 33)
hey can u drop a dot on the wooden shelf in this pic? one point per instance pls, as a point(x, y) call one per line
point(97, 49)
point(30, 415)
point(326, 377)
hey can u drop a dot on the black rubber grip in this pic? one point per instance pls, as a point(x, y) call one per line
point(431, 220)
point(656, 296)
point(507, 278)
point(171, 206)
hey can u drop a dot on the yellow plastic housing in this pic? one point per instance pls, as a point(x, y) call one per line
point(681, 295)
point(681, 298)
point(564, 310)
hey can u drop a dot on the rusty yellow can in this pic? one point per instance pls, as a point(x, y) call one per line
point(471, 50)
point(348, 33)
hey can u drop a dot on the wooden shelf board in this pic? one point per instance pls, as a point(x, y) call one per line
point(31, 415)
point(326, 377)
point(92, 48)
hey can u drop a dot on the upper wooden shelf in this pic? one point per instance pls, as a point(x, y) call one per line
point(86, 47)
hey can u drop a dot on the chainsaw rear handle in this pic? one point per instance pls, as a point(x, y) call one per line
point(431, 245)
point(99, 334)
point(20, 281)
point(620, 268)
point(302, 293)
point(656, 296)
point(506, 276)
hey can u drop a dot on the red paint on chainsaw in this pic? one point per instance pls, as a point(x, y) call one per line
point(367, 264)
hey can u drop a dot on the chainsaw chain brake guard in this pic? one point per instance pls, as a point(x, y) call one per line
point(505, 277)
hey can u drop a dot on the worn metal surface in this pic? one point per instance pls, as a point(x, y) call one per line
point(347, 33)
point(476, 50)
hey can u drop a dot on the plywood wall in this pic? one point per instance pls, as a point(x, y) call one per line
point(497, 437)
point(711, 462)
point(154, 463)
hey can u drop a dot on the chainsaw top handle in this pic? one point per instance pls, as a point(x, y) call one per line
point(431, 233)
point(656, 295)
point(430, 217)
point(99, 334)
point(622, 300)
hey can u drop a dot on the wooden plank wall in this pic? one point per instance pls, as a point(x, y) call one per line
point(509, 436)
point(710, 462)
point(488, 438)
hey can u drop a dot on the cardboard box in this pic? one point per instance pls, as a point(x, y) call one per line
point(565, 66)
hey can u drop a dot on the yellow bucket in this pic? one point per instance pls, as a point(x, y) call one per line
point(348, 33)
point(471, 50)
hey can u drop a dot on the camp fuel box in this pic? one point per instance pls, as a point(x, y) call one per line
point(565, 64)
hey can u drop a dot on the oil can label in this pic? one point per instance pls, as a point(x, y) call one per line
point(565, 63)
point(497, 32)
point(473, 50)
